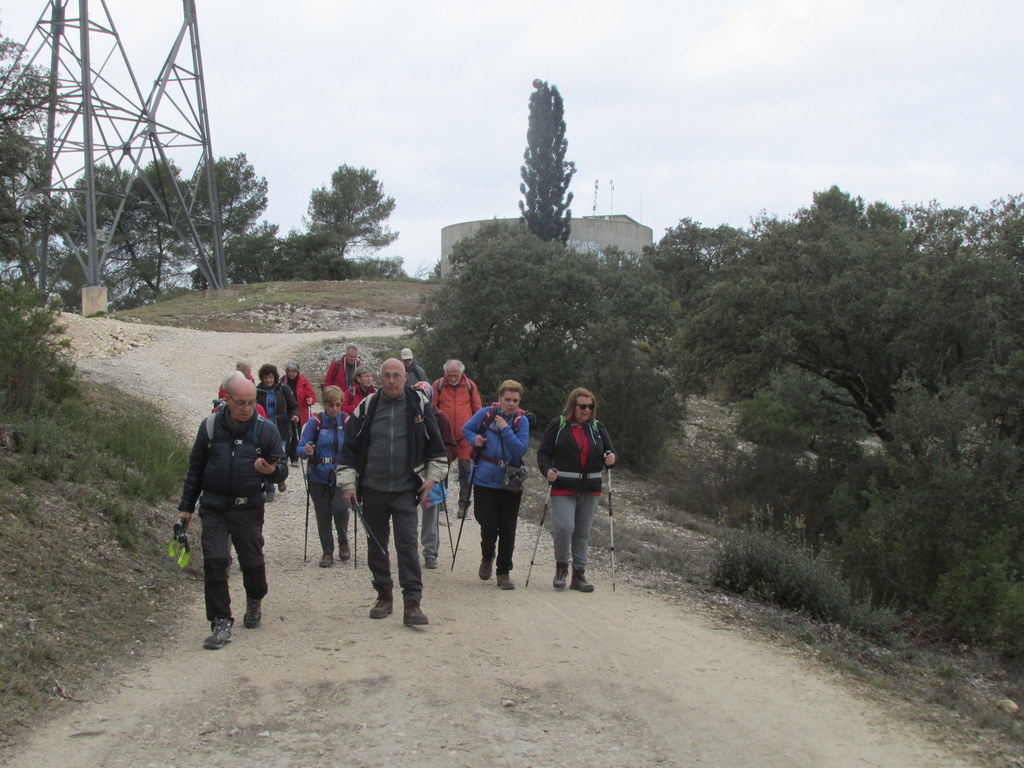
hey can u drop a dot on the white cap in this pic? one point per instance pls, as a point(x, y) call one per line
point(407, 354)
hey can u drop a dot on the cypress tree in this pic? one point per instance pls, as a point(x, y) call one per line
point(546, 174)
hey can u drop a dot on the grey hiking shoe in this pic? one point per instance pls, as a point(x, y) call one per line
point(343, 551)
point(253, 615)
point(221, 634)
point(327, 560)
point(505, 581)
point(430, 563)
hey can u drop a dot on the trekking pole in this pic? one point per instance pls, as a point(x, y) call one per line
point(540, 527)
point(305, 540)
point(462, 522)
point(355, 538)
point(455, 549)
point(448, 524)
point(357, 508)
point(611, 526)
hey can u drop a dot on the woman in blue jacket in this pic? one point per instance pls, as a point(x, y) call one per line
point(499, 435)
point(321, 442)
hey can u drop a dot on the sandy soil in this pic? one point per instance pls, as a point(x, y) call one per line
point(530, 677)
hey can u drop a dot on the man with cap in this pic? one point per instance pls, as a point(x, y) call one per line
point(413, 370)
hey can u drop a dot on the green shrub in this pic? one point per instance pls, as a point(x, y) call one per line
point(36, 368)
point(768, 566)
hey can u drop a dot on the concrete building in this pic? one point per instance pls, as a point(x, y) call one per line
point(587, 233)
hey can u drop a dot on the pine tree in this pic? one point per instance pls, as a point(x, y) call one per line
point(546, 174)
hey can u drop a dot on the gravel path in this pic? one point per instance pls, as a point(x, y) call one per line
point(522, 678)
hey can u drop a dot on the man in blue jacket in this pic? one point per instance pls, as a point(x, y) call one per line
point(229, 468)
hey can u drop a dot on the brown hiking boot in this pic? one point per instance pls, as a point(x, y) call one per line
point(505, 581)
point(580, 583)
point(383, 607)
point(561, 573)
point(344, 553)
point(413, 616)
point(327, 560)
point(485, 568)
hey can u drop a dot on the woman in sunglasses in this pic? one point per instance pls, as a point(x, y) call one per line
point(573, 452)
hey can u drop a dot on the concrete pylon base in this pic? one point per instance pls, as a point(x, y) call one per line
point(94, 300)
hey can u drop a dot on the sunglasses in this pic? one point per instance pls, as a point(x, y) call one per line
point(585, 406)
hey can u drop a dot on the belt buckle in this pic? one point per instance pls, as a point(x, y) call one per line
point(240, 500)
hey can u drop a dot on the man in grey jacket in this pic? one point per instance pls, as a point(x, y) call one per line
point(392, 456)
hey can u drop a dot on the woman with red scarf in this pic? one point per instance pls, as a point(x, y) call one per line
point(573, 452)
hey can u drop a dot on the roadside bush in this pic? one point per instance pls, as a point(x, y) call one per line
point(767, 565)
point(36, 367)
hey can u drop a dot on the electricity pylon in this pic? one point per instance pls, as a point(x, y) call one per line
point(98, 114)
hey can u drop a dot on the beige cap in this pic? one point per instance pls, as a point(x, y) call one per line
point(407, 354)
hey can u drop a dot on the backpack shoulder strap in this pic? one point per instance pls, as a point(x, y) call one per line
point(210, 425)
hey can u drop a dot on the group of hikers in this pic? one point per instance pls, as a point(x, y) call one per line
point(384, 454)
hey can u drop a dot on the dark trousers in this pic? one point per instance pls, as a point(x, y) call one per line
point(465, 473)
point(243, 528)
point(497, 511)
point(293, 441)
point(329, 508)
point(380, 509)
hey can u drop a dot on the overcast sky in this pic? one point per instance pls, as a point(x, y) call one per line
point(716, 111)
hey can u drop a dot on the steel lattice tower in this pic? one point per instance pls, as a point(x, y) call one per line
point(98, 114)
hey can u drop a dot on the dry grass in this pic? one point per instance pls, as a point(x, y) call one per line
point(295, 306)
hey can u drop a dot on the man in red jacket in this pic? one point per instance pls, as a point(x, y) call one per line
point(342, 371)
point(458, 398)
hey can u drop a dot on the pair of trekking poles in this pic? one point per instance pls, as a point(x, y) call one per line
point(540, 528)
point(357, 514)
point(611, 531)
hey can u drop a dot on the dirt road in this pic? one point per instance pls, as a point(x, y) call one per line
point(521, 678)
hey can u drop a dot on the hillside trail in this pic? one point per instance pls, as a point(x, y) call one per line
point(529, 677)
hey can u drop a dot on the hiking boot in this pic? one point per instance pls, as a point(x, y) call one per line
point(271, 497)
point(344, 553)
point(221, 634)
point(561, 572)
point(253, 615)
point(505, 581)
point(413, 616)
point(282, 487)
point(485, 568)
point(383, 607)
point(430, 563)
point(293, 462)
point(463, 506)
point(327, 560)
point(580, 583)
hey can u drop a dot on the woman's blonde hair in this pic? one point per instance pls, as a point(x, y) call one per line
point(508, 385)
point(332, 394)
point(570, 404)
